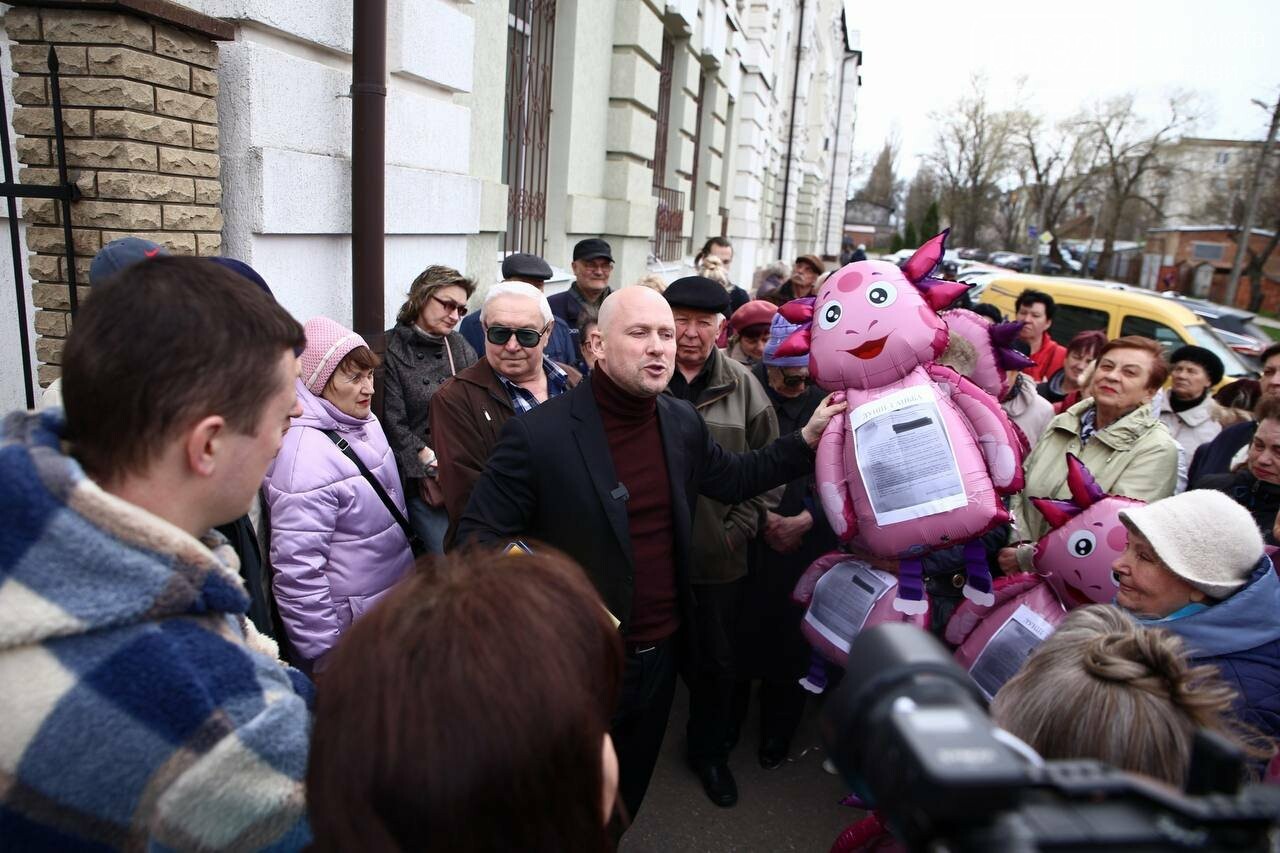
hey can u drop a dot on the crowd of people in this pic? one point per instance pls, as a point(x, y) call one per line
point(262, 586)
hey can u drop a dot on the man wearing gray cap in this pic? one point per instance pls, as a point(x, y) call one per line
point(740, 418)
point(532, 270)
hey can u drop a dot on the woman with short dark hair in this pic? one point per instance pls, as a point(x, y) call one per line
point(1065, 387)
point(470, 712)
point(424, 350)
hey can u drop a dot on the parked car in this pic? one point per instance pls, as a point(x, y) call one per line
point(1247, 337)
point(1118, 310)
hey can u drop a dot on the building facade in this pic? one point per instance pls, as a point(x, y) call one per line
point(224, 127)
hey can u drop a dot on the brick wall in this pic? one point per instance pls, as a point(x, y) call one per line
point(141, 126)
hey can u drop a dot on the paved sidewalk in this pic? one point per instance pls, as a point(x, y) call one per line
point(795, 807)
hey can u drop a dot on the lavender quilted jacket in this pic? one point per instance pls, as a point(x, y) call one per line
point(335, 548)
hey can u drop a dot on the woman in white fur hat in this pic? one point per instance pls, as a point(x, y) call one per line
point(1195, 565)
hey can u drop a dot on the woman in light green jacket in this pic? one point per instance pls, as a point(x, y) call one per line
point(1114, 433)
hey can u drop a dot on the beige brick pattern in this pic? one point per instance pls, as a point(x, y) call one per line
point(136, 65)
point(126, 124)
point(34, 59)
point(140, 121)
point(182, 105)
point(148, 187)
point(34, 121)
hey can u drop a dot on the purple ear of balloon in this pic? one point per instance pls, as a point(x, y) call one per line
point(798, 310)
point(796, 343)
point(1002, 337)
point(939, 292)
point(1056, 512)
point(1085, 490)
point(926, 258)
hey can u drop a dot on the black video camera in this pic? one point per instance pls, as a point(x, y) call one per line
point(909, 731)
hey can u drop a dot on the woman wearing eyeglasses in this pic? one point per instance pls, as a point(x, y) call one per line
point(424, 351)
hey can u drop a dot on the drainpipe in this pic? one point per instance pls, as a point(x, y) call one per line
point(791, 135)
point(835, 157)
point(368, 143)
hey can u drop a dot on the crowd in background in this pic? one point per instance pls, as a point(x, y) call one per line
point(652, 524)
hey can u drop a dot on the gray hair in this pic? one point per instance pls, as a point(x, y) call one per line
point(1104, 687)
point(518, 288)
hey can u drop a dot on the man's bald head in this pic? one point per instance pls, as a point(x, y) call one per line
point(635, 340)
point(628, 301)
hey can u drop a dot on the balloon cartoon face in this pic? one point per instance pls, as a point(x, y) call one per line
point(871, 326)
point(1075, 556)
point(872, 323)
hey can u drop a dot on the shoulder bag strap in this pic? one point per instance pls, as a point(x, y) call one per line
point(373, 481)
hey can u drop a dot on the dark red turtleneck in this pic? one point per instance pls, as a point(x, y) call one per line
point(635, 443)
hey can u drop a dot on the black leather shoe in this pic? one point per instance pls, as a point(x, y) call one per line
point(773, 752)
point(718, 782)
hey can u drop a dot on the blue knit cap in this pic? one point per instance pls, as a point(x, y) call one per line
point(779, 330)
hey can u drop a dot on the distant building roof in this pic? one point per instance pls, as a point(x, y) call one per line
point(1258, 231)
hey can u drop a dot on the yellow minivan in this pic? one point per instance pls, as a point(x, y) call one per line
point(1117, 309)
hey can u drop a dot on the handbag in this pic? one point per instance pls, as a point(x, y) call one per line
point(415, 542)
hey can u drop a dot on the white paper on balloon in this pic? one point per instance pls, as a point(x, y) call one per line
point(843, 598)
point(904, 454)
point(1008, 649)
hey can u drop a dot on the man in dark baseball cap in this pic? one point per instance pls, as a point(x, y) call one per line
point(739, 416)
point(120, 255)
point(592, 267)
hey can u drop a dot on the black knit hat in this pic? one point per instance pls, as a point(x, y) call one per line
point(1205, 358)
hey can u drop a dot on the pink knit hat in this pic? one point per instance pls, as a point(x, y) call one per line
point(328, 343)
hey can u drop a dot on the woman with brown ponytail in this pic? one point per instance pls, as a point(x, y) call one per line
point(1104, 687)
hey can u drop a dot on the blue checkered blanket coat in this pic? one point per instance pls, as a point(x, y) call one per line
point(135, 711)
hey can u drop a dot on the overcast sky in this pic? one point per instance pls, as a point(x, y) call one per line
point(918, 56)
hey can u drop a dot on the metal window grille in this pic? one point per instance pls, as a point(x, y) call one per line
point(531, 26)
point(668, 228)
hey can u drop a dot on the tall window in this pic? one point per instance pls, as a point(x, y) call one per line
point(531, 27)
point(668, 228)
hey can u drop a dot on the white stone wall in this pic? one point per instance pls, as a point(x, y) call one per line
point(286, 146)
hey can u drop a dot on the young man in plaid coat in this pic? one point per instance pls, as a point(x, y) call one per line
point(139, 707)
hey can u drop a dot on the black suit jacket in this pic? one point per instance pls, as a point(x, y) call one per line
point(551, 478)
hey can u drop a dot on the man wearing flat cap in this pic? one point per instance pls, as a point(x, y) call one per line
point(562, 345)
point(804, 277)
point(740, 418)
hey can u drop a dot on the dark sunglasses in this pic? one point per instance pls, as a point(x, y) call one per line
point(795, 381)
point(499, 335)
point(450, 306)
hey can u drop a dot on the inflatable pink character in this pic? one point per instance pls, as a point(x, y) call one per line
point(921, 457)
point(1073, 568)
point(984, 350)
point(842, 595)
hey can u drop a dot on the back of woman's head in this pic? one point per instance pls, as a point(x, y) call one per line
point(1105, 688)
point(467, 711)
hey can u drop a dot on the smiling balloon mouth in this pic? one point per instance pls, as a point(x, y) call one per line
point(870, 349)
point(1079, 599)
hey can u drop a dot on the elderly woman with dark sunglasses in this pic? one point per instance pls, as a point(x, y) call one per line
point(424, 351)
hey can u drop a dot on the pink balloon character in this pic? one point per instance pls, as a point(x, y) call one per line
point(985, 354)
point(842, 595)
point(1072, 568)
point(921, 457)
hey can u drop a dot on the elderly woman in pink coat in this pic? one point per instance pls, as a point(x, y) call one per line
point(336, 547)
